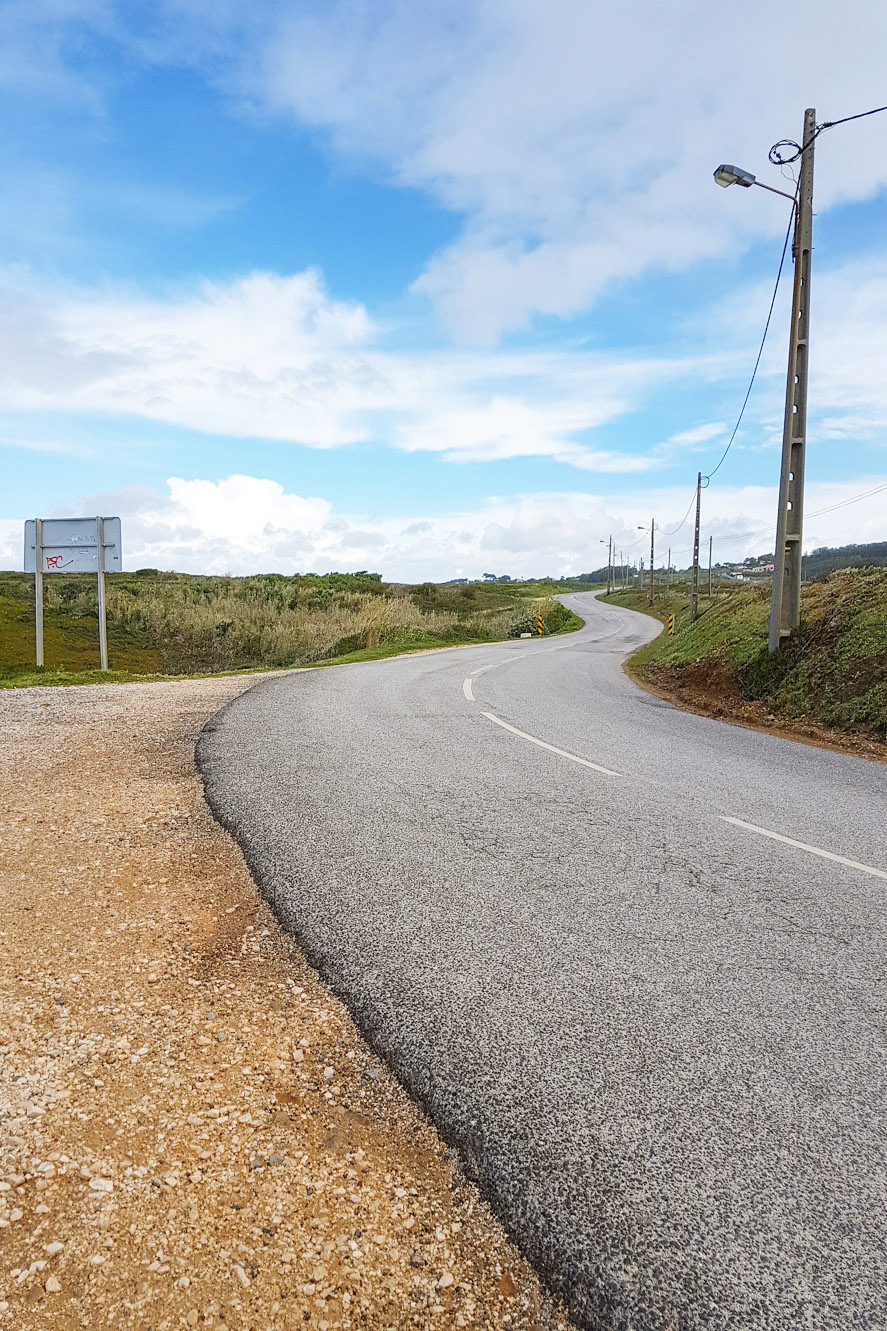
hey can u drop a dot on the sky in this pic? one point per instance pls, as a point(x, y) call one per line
point(432, 290)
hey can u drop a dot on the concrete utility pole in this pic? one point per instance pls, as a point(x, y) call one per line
point(610, 578)
point(694, 581)
point(785, 601)
point(668, 569)
point(652, 542)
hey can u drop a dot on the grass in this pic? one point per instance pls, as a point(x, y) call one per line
point(163, 626)
point(832, 672)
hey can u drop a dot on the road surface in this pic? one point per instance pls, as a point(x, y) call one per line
point(559, 907)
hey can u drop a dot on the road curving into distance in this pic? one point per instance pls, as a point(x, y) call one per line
point(630, 958)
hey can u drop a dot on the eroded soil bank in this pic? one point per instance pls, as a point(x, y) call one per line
point(192, 1132)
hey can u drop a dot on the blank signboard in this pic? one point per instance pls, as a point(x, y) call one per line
point(70, 545)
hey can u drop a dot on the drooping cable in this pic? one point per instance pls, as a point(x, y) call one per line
point(754, 372)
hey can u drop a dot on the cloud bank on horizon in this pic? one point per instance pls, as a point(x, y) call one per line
point(247, 524)
point(514, 273)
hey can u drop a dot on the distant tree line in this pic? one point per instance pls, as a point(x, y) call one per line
point(828, 559)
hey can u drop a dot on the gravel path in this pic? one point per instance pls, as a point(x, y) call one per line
point(192, 1132)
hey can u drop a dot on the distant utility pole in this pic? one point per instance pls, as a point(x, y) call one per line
point(652, 543)
point(611, 581)
point(668, 569)
point(694, 581)
point(710, 539)
point(785, 601)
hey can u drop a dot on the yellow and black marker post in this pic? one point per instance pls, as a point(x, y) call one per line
point(669, 627)
point(538, 623)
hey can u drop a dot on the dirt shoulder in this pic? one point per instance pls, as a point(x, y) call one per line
point(716, 693)
point(192, 1132)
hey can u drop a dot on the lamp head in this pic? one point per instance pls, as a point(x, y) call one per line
point(733, 175)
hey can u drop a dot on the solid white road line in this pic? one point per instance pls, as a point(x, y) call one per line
point(466, 689)
point(562, 753)
point(802, 845)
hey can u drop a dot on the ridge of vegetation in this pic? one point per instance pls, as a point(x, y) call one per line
point(163, 625)
point(831, 673)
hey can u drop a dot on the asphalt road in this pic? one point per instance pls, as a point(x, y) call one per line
point(654, 1035)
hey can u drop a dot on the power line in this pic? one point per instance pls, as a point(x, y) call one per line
point(765, 531)
point(844, 502)
point(760, 348)
point(638, 541)
point(664, 532)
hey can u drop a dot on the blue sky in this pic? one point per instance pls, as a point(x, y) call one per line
point(427, 289)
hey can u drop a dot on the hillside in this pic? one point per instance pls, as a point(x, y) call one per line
point(175, 623)
point(829, 678)
point(828, 559)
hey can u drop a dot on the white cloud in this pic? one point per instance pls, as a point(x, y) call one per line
point(247, 524)
point(578, 139)
point(699, 434)
point(277, 358)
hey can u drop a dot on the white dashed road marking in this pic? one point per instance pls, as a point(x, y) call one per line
point(466, 689)
point(802, 845)
point(562, 753)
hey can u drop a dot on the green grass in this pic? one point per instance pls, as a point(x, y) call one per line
point(832, 671)
point(163, 626)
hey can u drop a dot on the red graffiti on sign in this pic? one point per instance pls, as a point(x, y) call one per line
point(55, 561)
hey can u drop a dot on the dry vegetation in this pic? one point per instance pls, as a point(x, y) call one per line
point(177, 624)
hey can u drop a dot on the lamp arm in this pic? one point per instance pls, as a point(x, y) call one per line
point(782, 194)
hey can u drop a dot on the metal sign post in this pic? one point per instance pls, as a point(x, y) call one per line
point(38, 585)
point(72, 545)
point(103, 614)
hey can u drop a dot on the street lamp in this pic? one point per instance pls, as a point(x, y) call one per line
point(785, 599)
point(734, 175)
point(610, 579)
point(652, 545)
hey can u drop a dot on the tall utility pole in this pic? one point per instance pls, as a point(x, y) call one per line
point(785, 601)
point(694, 582)
point(668, 569)
point(610, 578)
point(652, 543)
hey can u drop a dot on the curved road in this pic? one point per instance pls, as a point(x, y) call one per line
point(653, 1031)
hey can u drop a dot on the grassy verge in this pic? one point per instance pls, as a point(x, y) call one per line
point(832, 673)
point(163, 626)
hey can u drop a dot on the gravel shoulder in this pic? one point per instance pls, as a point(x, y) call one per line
point(192, 1131)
